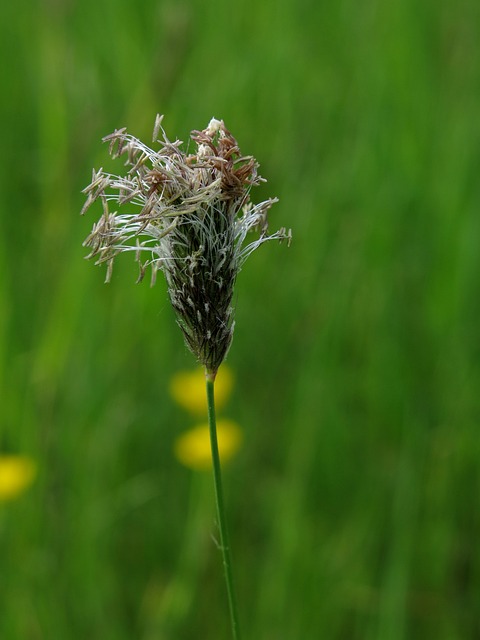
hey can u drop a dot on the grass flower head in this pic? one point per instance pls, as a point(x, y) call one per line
point(189, 215)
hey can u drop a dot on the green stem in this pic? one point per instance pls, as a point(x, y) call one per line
point(222, 522)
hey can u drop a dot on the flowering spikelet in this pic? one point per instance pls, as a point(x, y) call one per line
point(190, 215)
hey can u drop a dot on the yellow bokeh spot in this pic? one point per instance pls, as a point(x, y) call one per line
point(188, 389)
point(192, 448)
point(16, 475)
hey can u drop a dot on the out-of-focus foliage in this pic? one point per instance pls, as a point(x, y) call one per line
point(353, 503)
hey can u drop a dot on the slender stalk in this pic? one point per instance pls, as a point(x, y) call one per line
point(222, 522)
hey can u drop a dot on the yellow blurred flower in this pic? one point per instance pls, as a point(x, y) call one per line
point(192, 448)
point(16, 475)
point(188, 389)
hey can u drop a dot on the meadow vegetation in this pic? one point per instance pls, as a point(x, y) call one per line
point(353, 501)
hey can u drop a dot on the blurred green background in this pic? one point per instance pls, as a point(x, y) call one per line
point(354, 502)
